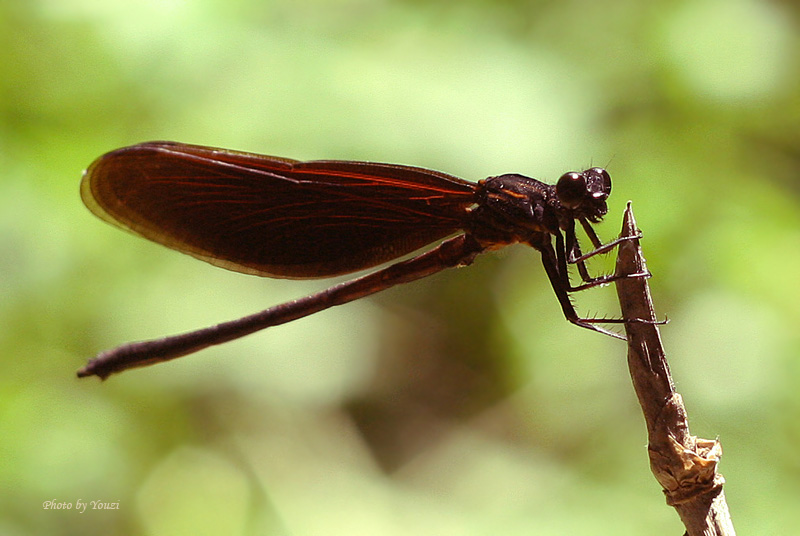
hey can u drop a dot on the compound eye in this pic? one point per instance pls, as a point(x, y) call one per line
point(571, 189)
point(601, 183)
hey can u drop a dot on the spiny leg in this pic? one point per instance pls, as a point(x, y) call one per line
point(552, 262)
point(571, 254)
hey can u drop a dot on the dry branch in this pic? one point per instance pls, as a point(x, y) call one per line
point(684, 465)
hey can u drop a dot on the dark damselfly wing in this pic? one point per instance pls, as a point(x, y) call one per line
point(252, 213)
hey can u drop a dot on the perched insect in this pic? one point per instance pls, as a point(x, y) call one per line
point(277, 217)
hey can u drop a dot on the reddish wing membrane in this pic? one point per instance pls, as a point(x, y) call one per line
point(274, 216)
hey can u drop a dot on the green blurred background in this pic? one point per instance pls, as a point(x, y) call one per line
point(463, 404)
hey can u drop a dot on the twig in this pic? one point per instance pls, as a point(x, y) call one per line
point(684, 465)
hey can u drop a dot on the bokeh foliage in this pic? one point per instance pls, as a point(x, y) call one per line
point(463, 404)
